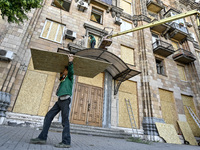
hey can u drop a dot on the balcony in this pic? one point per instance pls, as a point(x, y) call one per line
point(183, 56)
point(153, 6)
point(161, 28)
point(162, 48)
point(177, 31)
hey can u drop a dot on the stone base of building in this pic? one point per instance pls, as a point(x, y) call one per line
point(16, 119)
point(149, 125)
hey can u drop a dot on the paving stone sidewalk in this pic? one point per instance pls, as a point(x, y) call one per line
point(17, 138)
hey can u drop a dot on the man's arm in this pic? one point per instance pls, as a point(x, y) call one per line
point(70, 67)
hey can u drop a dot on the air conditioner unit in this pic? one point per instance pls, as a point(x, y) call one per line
point(63, 4)
point(70, 34)
point(6, 55)
point(118, 21)
point(82, 6)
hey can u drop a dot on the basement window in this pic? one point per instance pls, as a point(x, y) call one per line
point(160, 67)
point(97, 16)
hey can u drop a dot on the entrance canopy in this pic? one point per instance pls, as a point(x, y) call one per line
point(118, 68)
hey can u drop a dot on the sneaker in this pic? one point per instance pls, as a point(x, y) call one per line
point(62, 145)
point(37, 141)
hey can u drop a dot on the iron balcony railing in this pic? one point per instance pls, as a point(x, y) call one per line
point(184, 52)
point(179, 27)
point(163, 44)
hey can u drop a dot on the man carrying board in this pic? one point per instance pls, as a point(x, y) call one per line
point(64, 93)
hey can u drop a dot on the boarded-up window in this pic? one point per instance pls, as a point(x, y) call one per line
point(126, 26)
point(128, 90)
point(97, 38)
point(175, 45)
point(168, 109)
point(126, 5)
point(127, 55)
point(181, 71)
point(188, 101)
point(53, 31)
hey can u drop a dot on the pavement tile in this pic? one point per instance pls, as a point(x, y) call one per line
point(17, 138)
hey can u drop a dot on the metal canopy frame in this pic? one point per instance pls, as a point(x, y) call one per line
point(119, 70)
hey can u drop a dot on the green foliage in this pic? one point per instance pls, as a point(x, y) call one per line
point(16, 10)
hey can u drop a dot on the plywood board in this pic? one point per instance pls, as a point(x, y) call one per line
point(168, 109)
point(30, 95)
point(187, 132)
point(128, 90)
point(168, 133)
point(188, 101)
point(55, 62)
point(98, 80)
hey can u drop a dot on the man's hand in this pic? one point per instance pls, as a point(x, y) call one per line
point(71, 57)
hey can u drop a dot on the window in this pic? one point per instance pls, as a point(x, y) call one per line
point(126, 26)
point(154, 37)
point(198, 55)
point(53, 31)
point(160, 66)
point(62, 4)
point(126, 5)
point(127, 55)
point(193, 36)
point(181, 71)
point(97, 38)
point(173, 13)
point(97, 16)
point(175, 45)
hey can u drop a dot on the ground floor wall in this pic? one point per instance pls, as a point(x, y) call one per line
point(37, 96)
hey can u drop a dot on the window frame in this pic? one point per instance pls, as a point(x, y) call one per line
point(198, 55)
point(131, 4)
point(177, 43)
point(121, 26)
point(133, 52)
point(59, 25)
point(95, 11)
point(184, 73)
point(161, 64)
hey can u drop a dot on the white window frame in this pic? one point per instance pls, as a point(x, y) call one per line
point(97, 12)
point(123, 28)
point(59, 25)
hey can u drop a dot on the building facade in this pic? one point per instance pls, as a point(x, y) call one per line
point(162, 63)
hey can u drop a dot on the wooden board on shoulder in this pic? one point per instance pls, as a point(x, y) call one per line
point(55, 62)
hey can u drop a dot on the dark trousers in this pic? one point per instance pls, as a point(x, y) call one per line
point(63, 106)
point(93, 44)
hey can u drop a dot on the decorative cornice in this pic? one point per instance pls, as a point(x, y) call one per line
point(116, 11)
point(96, 30)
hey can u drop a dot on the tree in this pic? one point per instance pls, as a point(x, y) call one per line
point(16, 10)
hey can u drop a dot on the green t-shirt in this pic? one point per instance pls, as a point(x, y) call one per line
point(65, 87)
